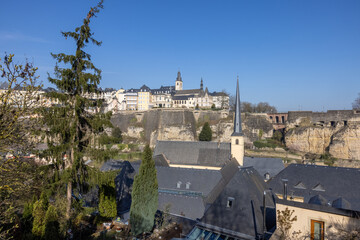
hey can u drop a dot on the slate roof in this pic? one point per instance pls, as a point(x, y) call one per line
point(194, 153)
point(189, 91)
point(160, 160)
point(212, 154)
point(182, 97)
point(123, 186)
point(244, 219)
point(331, 183)
point(187, 206)
point(202, 181)
point(184, 202)
point(112, 165)
point(219, 94)
point(265, 165)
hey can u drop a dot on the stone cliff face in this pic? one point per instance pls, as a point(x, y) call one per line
point(346, 143)
point(309, 139)
point(335, 132)
point(340, 141)
point(185, 125)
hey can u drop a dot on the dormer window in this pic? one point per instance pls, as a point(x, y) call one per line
point(300, 185)
point(267, 176)
point(319, 187)
point(178, 185)
point(188, 185)
point(230, 202)
point(237, 141)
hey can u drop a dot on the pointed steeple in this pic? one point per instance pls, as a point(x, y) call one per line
point(237, 121)
point(201, 84)
point(179, 77)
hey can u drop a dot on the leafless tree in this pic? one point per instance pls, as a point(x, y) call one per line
point(356, 103)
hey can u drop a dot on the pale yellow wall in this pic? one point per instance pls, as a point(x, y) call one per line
point(237, 150)
point(143, 100)
point(194, 166)
point(332, 222)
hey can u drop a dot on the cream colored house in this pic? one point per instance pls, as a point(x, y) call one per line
point(318, 222)
point(144, 97)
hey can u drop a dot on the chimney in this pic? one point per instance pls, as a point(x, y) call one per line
point(285, 182)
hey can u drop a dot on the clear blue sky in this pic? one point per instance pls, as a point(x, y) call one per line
point(294, 54)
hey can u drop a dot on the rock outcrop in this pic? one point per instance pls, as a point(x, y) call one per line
point(346, 143)
point(309, 139)
point(341, 141)
point(185, 125)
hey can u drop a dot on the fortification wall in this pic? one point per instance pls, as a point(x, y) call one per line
point(185, 125)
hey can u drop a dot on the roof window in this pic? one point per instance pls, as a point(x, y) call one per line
point(230, 202)
point(319, 187)
point(300, 185)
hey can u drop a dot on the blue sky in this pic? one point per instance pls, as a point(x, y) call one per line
point(293, 54)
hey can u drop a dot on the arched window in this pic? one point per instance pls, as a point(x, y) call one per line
point(237, 141)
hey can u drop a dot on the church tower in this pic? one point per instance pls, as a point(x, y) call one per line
point(237, 137)
point(178, 82)
point(201, 85)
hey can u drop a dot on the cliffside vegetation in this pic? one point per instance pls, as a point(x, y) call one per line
point(206, 133)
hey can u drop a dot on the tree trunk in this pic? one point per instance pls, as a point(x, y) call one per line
point(69, 187)
point(68, 196)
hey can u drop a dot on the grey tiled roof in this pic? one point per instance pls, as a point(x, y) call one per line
point(194, 153)
point(212, 154)
point(265, 165)
point(182, 97)
point(183, 200)
point(188, 206)
point(201, 181)
point(245, 216)
point(112, 165)
point(189, 91)
point(330, 182)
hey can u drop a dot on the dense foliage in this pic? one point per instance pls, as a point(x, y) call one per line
point(74, 122)
point(19, 178)
point(206, 133)
point(144, 195)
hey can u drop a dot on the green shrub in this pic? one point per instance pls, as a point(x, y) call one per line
point(51, 224)
point(117, 135)
point(206, 133)
point(38, 214)
point(278, 136)
point(107, 201)
point(144, 196)
point(264, 144)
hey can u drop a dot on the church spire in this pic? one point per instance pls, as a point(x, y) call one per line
point(237, 121)
point(179, 76)
point(201, 84)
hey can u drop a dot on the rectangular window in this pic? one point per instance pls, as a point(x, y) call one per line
point(317, 230)
point(230, 202)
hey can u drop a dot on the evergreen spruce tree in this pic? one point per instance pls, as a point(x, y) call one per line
point(71, 126)
point(206, 133)
point(144, 196)
point(52, 226)
point(38, 213)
